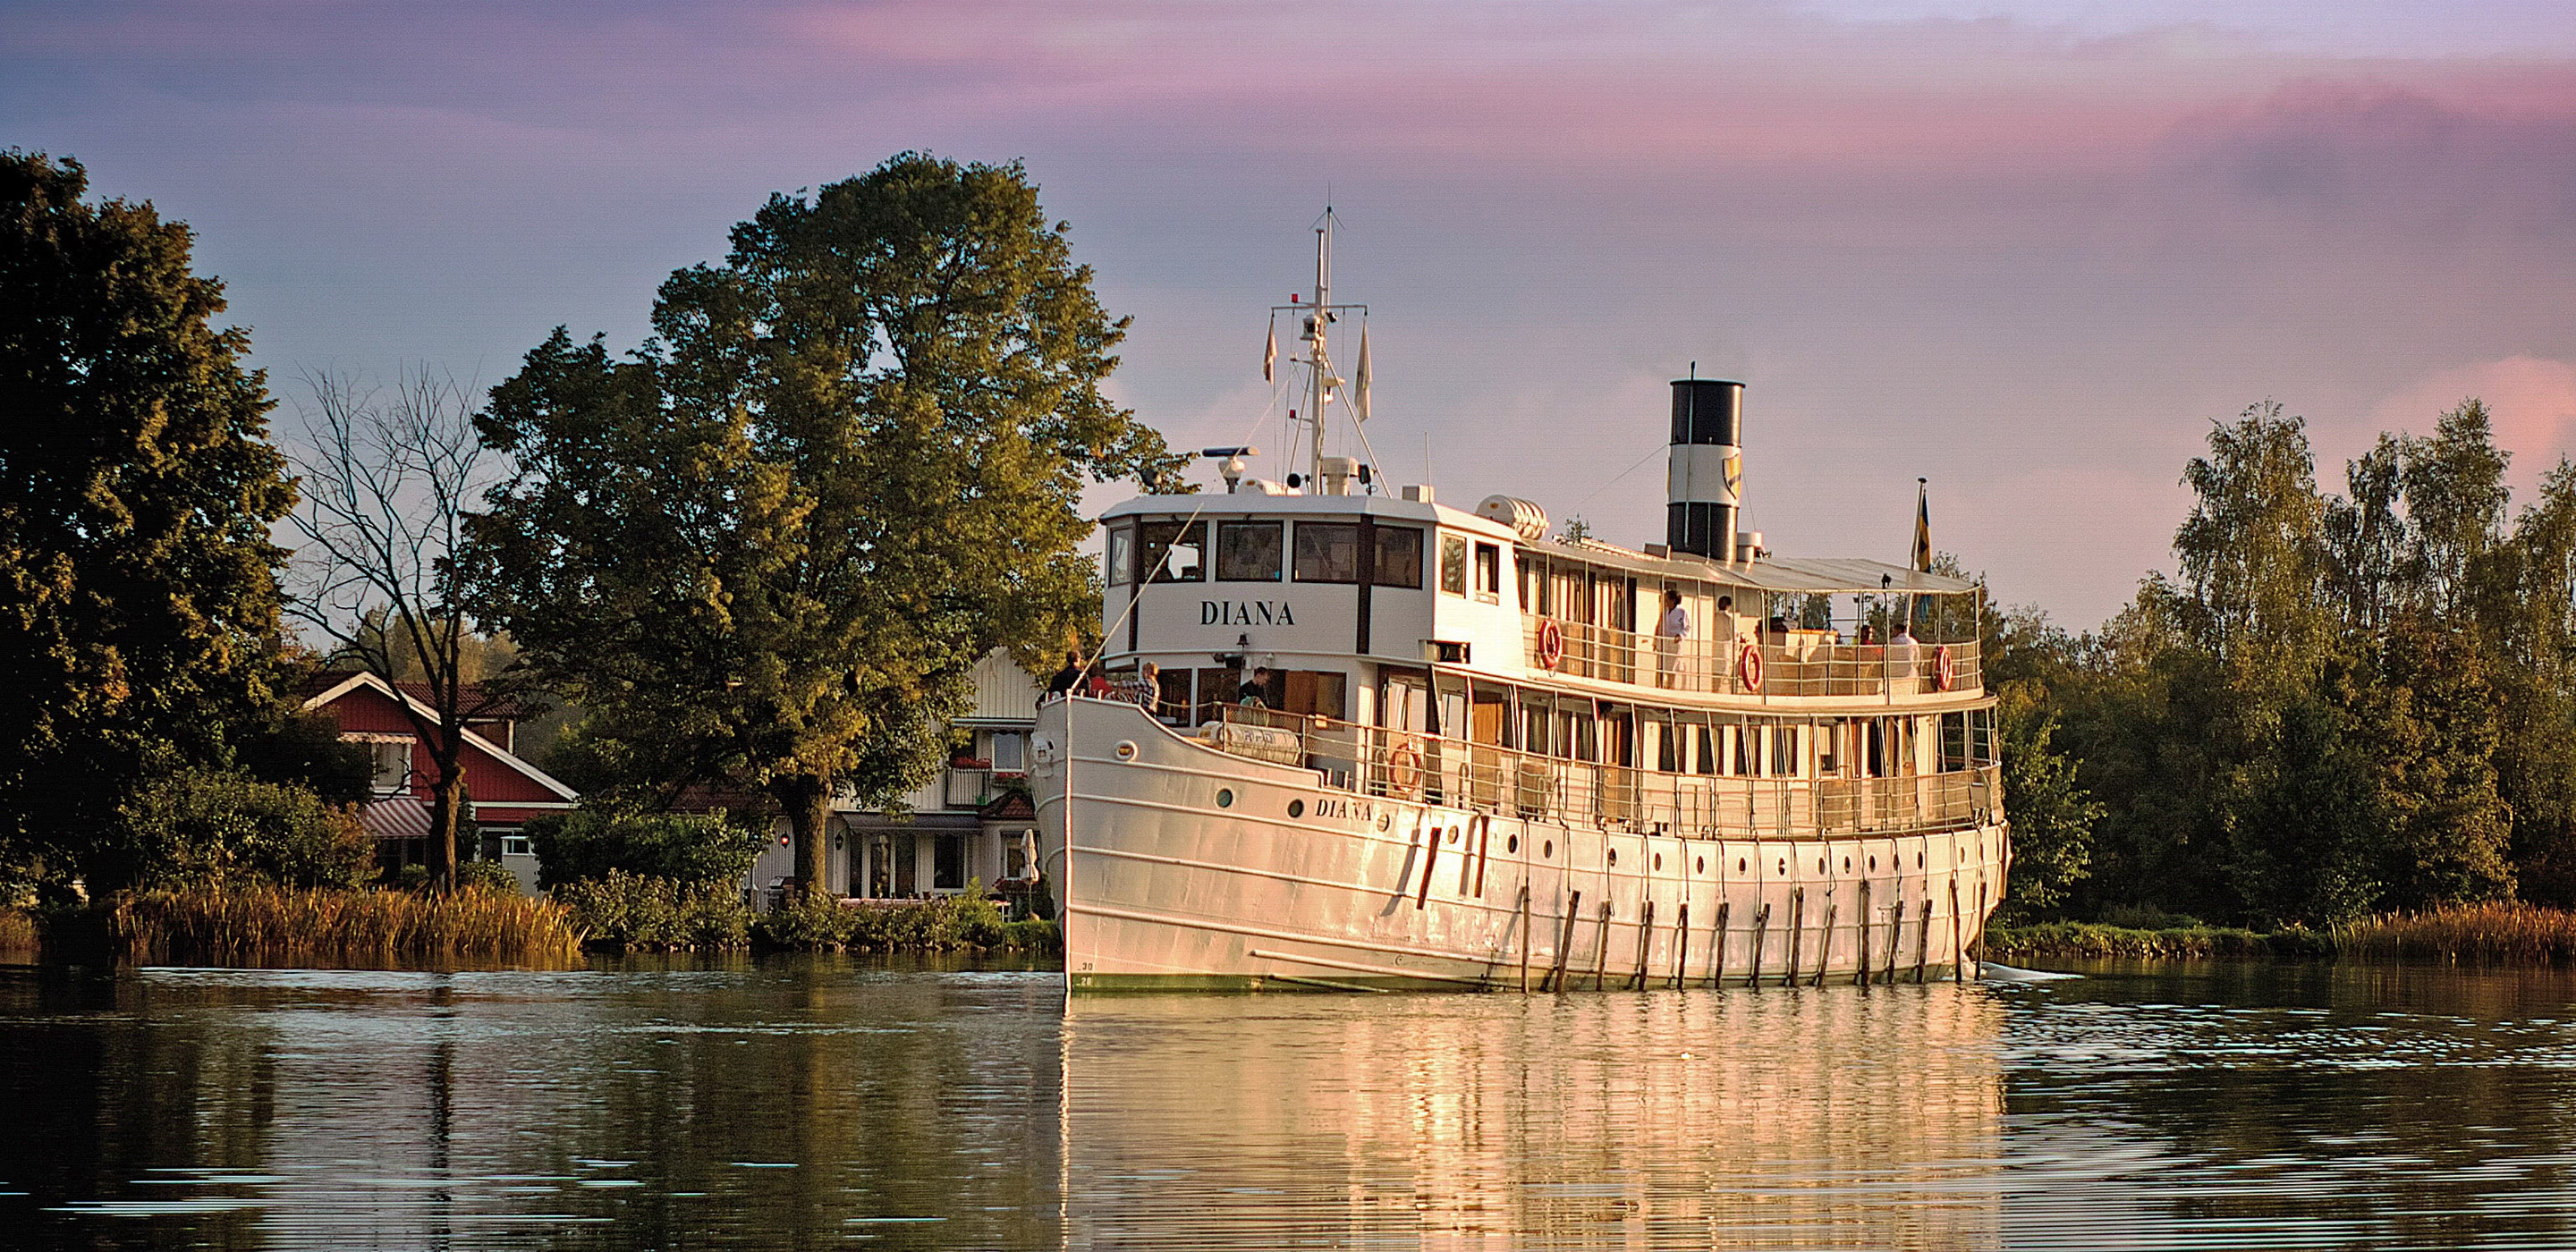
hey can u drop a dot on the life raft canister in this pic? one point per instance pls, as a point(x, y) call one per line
point(1551, 643)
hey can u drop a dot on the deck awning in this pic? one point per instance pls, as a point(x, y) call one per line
point(395, 817)
point(1842, 575)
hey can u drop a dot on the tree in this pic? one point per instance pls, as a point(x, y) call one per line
point(769, 545)
point(387, 480)
point(2052, 816)
point(138, 599)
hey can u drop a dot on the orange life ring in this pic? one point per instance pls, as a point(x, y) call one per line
point(1551, 643)
point(1748, 664)
point(1945, 668)
point(1403, 769)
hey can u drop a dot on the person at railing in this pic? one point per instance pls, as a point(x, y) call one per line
point(1669, 632)
point(1143, 688)
point(1256, 690)
point(1066, 679)
point(1902, 656)
point(1095, 680)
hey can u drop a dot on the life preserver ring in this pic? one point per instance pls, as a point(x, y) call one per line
point(1945, 668)
point(1551, 643)
point(1403, 770)
point(1748, 664)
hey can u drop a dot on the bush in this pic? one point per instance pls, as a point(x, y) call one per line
point(200, 828)
point(486, 876)
point(637, 911)
point(819, 923)
point(592, 842)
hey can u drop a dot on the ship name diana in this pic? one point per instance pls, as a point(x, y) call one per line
point(1244, 613)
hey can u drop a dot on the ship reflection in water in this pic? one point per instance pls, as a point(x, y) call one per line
point(794, 1103)
point(1872, 1118)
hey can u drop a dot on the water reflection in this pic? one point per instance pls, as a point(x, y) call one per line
point(789, 1104)
point(1868, 1119)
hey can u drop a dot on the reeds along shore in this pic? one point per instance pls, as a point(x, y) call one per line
point(273, 926)
point(2469, 934)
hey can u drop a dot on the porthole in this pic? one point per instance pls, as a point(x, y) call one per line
point(1453, 834)
point(1918, 860)
point(1659, 862)
point(1821, 867)
point(1547, 848)
point(1511, 843)
point(1296, 808)
point(1126, 749)
point(1846, 865)
point(1873, 865)
point(1739, 865)
point(1225, 797)
point(1784, 867)
point(1700, 866)
point(1385, 820)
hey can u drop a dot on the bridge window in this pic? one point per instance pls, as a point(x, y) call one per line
point(1248, 552)
point(1122, 555)
point(1453, 565)
point(1327, 552)
point(1399, 558)
point(1489, 571)
point(1174, 554)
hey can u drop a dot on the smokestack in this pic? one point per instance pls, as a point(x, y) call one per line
point(1703, 488)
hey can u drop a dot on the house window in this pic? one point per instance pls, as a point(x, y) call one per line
point(393, 766)
point(948, 863)
point(1010, 752)
point(1489, 572)
point(1016, 845)
point(1328, 552)
point(1453, 565)
point(516, 845)
point(1174, 554)
point(1399, 558)
point(1248, 552)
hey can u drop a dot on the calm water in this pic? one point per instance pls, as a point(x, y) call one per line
point(805, 1103)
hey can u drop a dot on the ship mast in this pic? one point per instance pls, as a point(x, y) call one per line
point(1323, 386)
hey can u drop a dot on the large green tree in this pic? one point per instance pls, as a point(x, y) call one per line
point(769, 545)
point(138, 600)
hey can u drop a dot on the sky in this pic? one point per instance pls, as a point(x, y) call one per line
point(2029, 251)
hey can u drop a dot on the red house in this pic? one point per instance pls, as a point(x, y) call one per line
point(502, 791)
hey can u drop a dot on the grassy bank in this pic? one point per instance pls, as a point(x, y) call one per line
point(19, 938)
point(267, 925)
point(2479, 934)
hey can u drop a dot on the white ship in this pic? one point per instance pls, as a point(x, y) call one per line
point(1400, 744)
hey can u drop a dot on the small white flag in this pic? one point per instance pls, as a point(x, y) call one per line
point(1360, 397)
point(1270, 351)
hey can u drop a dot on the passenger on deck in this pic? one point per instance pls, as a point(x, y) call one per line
point(1669, 632)
point(1145, 688)
point(1902, 656)
point(1256, 690)
point(1066, 679)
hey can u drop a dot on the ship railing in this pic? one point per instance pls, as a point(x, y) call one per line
point(1792, 663)
point(1423, 768)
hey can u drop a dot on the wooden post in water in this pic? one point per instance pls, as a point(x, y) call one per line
point(1923, 939)
point(1861, 978)
point(1681, 944)
point(1645, 940)
point(1981, 925)
point(1825, 946)
point(1797, 933)
point(1522, 908)
point(1761, 926)
point(1958, 941)
point(1601, 951)
point(1895, 931)
point(1717, 946)
point(1555, 980)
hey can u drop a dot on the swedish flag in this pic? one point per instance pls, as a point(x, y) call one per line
point(1923, 525)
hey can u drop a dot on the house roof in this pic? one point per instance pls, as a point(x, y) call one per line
point(351, 682)
point(478, 704)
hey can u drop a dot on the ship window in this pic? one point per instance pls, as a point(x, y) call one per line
point(1453, 565)
point(1327, 552)
point(1784, 752)
point(1489, 571)
point(1248, 552)
point(1399, 558)
point(1174, 554)
point(1122, 555)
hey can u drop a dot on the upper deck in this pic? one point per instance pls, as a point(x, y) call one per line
point(1321, 581)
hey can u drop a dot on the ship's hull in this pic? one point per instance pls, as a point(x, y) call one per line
point(1183, 867)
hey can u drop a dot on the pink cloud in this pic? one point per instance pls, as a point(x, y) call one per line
point(2531, 400)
